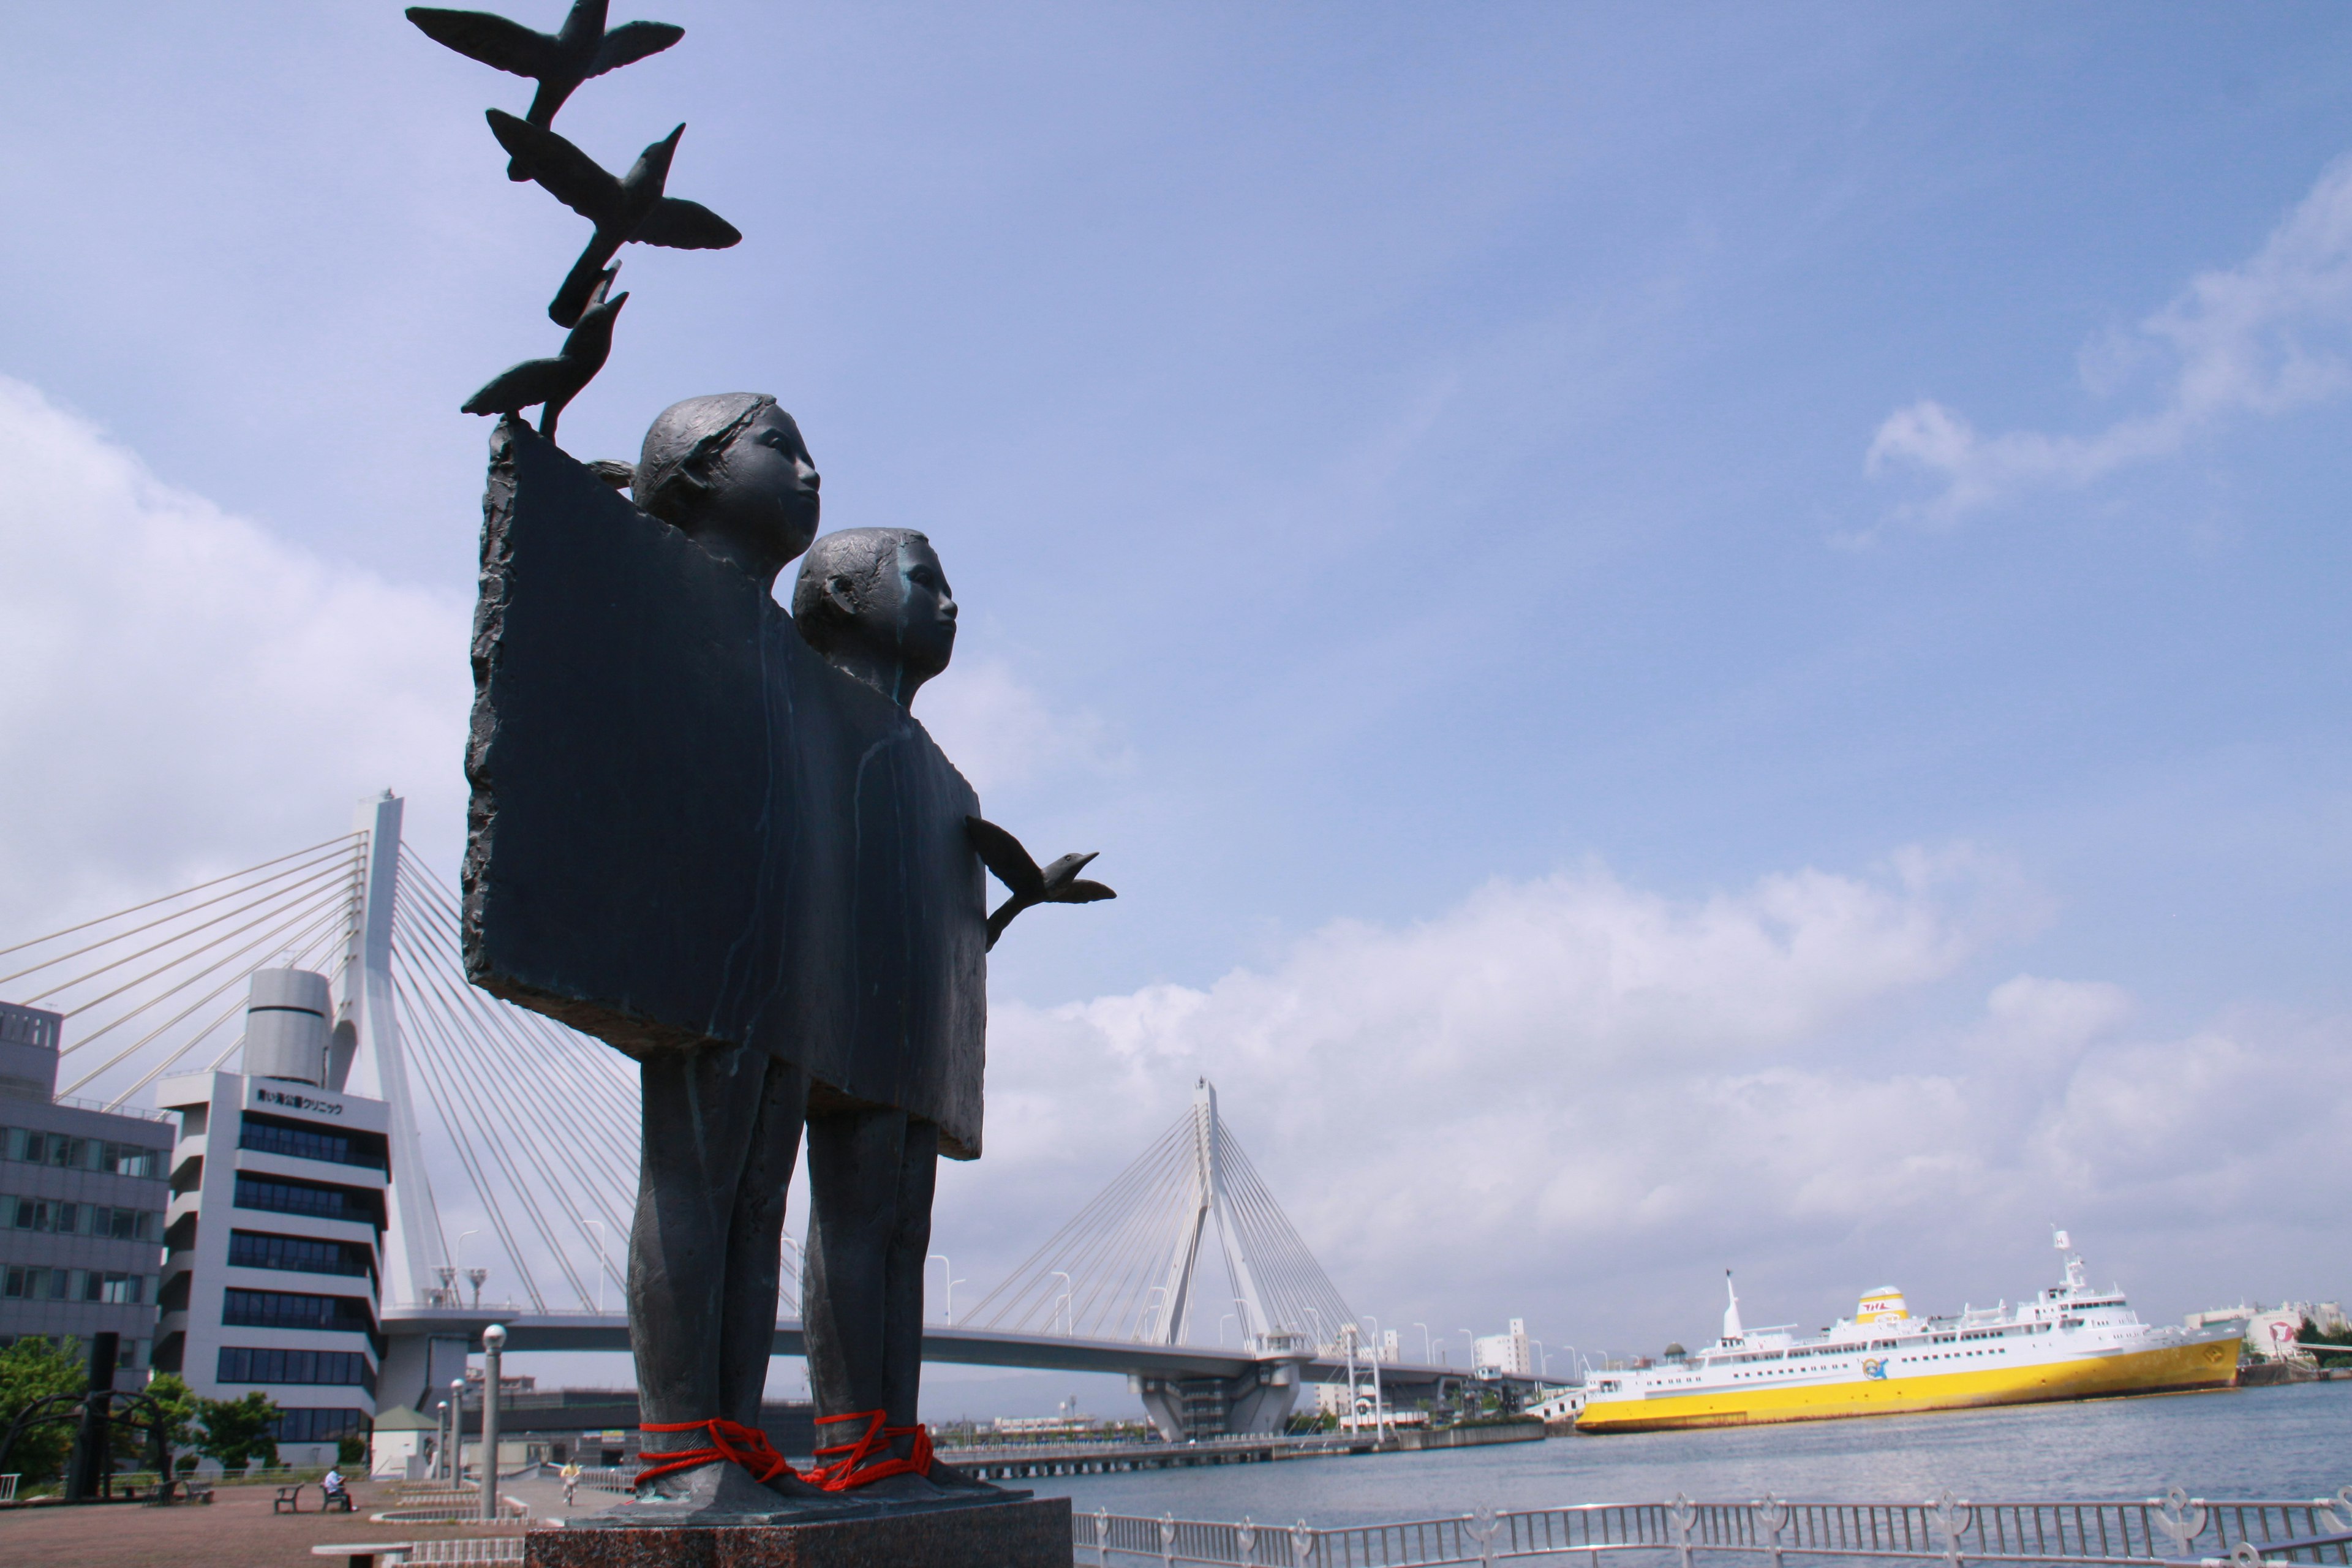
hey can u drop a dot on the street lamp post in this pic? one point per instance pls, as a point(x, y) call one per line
point(457, 1431)
point(474, 1276)
point(949, 1269)
point(1428, 1358)
point(440, 1437)
point(494, 1341)
point(1543, 1361)
point(1065, 1296)
point(1379, 1401)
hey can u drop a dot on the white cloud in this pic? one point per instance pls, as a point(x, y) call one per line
point(1000, 732)
point(2261, 338)
point(1554, 1097)
point(183, 693)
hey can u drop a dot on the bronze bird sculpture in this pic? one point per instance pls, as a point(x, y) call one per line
point(1058, 883)
point(632, 207)
point(552, 382)
point(579, 49)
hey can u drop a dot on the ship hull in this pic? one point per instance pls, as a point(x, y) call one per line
point(2169, 1369)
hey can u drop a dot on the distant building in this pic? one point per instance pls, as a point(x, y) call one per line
point(271, 1275)
point(81, 1201)
point(2273, 1333)
point(1505, 1355)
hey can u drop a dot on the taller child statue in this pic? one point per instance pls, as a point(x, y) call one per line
point(721, 843)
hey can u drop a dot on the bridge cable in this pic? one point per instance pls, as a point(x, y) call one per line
point(462, 1013)
point(165, 898)
point(274, 898)
point(317, 919)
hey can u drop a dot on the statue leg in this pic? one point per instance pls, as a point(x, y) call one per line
point(701, 1108)
point(909, 1247)
point(871, 1176)
point(755, 1244)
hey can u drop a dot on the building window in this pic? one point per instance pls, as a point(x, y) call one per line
point(77, 1219)
point(318, 1425)
point(340, 1368)
point(19, 1283)
point(300, 1141)
point(286, 1309)
point(277, 1195)
point(80, 1153)
point(297, 1253)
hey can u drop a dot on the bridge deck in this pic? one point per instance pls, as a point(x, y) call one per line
point(969, 1347)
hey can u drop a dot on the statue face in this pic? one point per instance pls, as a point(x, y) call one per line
point(927, 612)
point(762, 491)
point(897, 626)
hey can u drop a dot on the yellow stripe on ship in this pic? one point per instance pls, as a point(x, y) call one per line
point(2174, 1369)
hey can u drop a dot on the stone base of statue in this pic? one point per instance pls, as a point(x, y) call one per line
point(1019, 1533)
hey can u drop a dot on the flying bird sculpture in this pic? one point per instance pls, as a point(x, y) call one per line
point(579, 49)
point(552, 382)
point(632, 207)
point(1058, 883)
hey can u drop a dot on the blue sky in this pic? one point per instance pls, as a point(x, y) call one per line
point(1609, 463)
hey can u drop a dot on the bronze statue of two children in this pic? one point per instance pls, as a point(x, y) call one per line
point(712, 833)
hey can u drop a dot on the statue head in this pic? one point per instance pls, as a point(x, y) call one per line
point(733, 471)
point(875, 602)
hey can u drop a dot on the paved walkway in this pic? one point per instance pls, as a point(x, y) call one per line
point(237, 1529)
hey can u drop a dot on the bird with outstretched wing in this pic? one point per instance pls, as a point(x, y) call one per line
point(583, 47)
point(1012, 865)
point(552, 382)
point(630, 208)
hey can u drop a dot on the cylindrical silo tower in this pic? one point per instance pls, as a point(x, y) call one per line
point(287, 1019)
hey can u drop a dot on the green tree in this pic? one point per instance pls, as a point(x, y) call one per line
point(2312, 1334)
point(238, 1430)
point(30, 1369)
point(177, 1404)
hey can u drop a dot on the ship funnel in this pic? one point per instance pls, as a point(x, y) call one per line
point(1731, 1329)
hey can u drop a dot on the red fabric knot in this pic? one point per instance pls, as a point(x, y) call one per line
point(729, 1440)
point(858, 1465)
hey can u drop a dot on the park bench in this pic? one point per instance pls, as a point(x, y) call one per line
point(336, 1502)
point(289, 1499)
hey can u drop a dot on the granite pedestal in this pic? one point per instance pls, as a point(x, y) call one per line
point(1027, 1533)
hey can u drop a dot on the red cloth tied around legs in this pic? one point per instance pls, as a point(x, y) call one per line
point(858, 1465)
point(745, 1446)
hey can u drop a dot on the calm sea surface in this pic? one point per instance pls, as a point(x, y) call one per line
point(2293, 1442)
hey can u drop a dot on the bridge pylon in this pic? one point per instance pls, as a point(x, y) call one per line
point(1128, 1268)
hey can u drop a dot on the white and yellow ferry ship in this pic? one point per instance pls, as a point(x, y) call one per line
point(2070, 1341)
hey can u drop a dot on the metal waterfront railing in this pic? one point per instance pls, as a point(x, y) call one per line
point(2175, 1529)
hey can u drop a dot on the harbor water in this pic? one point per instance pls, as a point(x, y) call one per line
point(2286, 1442)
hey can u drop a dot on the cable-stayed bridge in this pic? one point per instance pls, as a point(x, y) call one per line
point(542, 1124)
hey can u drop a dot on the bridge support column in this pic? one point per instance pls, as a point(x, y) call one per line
point(1251, 1404)
point(417, 1369)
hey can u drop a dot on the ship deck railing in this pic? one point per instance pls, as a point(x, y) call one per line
point(2175, 1530)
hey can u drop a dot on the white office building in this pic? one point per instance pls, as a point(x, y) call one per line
point(1505, 1355)
point(274, 1232)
